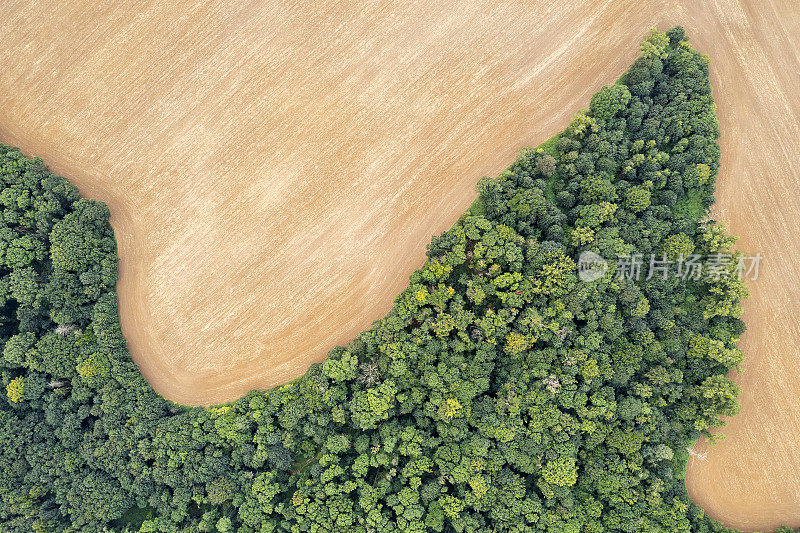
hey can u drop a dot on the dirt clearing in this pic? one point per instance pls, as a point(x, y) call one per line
point(751, 480)
point(275, 171)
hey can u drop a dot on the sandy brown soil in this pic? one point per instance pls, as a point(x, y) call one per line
point(751, 480)
point(274, 172)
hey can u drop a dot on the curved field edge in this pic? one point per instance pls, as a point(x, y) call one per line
point(500, 393)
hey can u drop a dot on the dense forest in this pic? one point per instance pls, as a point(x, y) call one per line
point(501, 393)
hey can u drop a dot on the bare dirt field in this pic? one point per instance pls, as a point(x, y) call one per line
point(275, 171)
point(751, 480)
